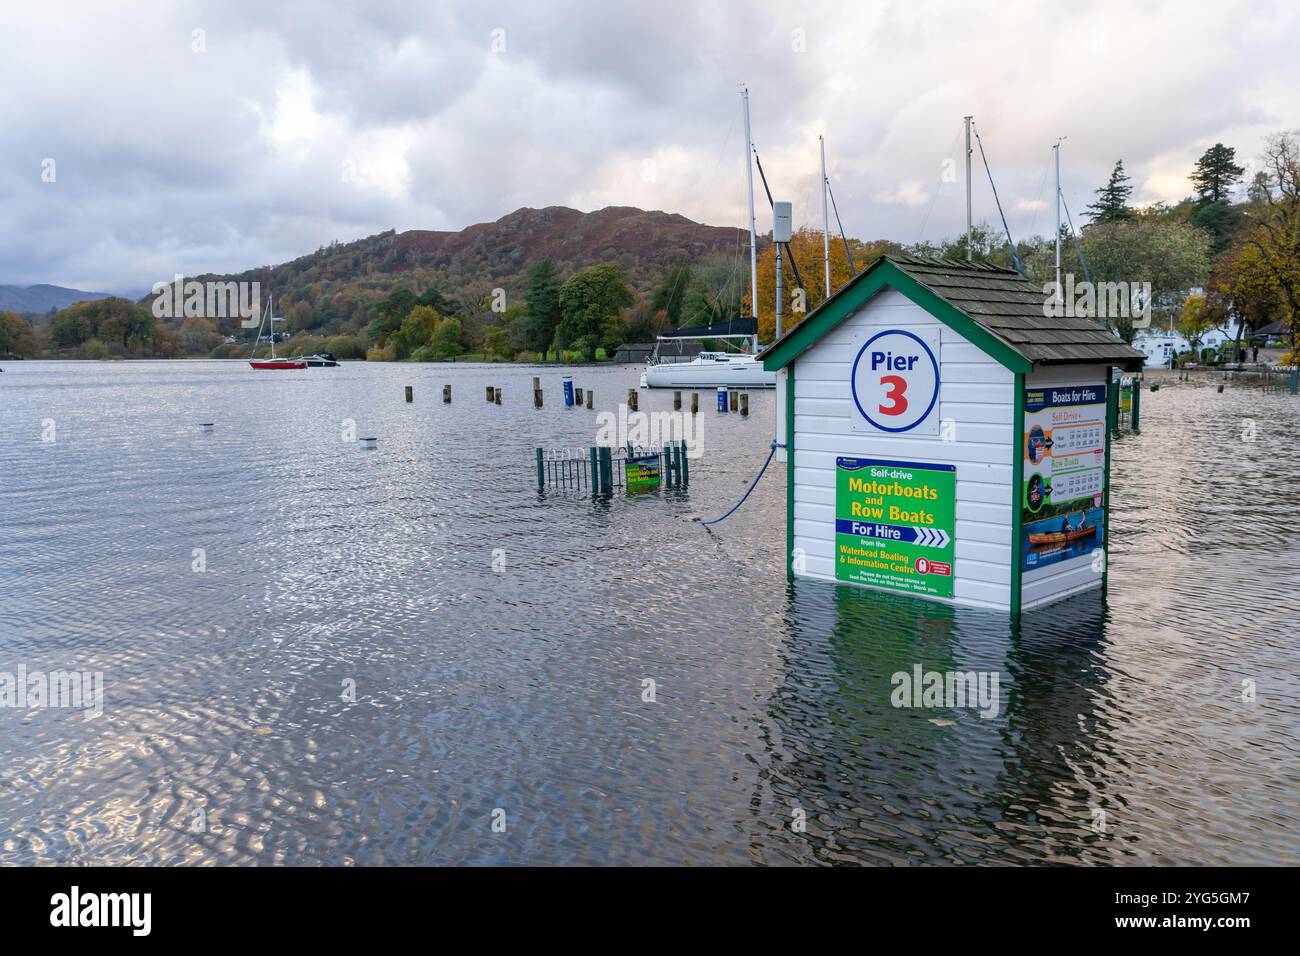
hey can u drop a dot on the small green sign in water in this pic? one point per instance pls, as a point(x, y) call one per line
point(894, 524)
point(642, 473)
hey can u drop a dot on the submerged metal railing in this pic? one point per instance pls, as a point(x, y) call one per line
point(601, 470)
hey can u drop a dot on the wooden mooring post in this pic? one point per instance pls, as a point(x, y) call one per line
point(496, 395)
point(537, 398)
point(734, 398)
point(589, 398)
point(631, 399)
point(695, 403)
point(446, 394)
point(577, 396)
point(744, 403)
point(410, 394)
point(489, 393)
point(677, 401)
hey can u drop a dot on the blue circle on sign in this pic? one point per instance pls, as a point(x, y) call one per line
point(853, 381)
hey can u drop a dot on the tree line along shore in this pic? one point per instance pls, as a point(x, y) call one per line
point(1226, 257)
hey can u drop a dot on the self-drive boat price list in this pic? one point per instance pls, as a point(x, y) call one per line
point(1064, 447)
point(894, 524)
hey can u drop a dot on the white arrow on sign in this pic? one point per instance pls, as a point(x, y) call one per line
point(931, 537)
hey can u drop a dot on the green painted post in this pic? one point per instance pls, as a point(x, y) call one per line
point(686, 464)
point(677, 464)
point(1017, 486)
point(789, 469)
point(606, 470)
point(595, 474)
point(1112, 401)
point(1295, 380)
point(1112, 407)
point(541, 474)
point(1136, 413)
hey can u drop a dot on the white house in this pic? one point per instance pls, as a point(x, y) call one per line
point(944, 437)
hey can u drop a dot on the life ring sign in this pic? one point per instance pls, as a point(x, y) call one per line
point(895, 381)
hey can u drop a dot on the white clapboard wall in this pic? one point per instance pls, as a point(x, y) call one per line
point(975, 392)
point(1056, 581)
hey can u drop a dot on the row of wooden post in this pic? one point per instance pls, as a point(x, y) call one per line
point(493, 394)
point(737, 400)
point(446, 394)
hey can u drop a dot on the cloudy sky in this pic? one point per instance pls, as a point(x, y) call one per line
point(193, 136)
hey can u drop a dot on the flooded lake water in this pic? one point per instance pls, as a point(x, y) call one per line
point(309, 656)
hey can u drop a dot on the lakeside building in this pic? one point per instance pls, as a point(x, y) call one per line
point(944, 438)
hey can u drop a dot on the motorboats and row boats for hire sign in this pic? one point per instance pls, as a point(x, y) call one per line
point(894, 520)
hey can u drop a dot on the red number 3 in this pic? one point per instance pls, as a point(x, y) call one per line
point(895, 394)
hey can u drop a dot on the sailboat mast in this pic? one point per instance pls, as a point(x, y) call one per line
point(969, 251)
point(826, 222)
point(271, 315)
point(1057, 150)
point(753, 238)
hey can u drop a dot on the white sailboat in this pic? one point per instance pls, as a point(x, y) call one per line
point(711, 369)
point(667, 368)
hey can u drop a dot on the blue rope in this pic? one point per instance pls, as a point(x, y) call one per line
point(770, 455)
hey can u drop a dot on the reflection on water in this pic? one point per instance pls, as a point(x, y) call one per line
point(348, 681)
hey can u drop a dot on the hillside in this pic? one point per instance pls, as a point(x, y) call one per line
point(338, 281)
point(39, 299)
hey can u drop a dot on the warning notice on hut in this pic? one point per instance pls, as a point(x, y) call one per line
point(894, 524)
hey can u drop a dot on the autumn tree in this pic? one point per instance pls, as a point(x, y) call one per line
point(642, 322)
point(670, 296)
point(496, 342)
point(1268, 254)
point(446, 342)
point(199, 335)
point(716, 291)
point(389, 313)
point(1173, 256)
point(590, 302)
point(417, 329)
point(17, 340)
point(114, 321)
point(1195, 320)
point(808, 250)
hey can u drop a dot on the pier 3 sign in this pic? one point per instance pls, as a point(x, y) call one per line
point(894, 524)
point(895, 381)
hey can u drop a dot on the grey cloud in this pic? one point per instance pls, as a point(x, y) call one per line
point(170, 160)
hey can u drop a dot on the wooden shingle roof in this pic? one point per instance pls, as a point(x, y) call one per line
point(997, 309)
